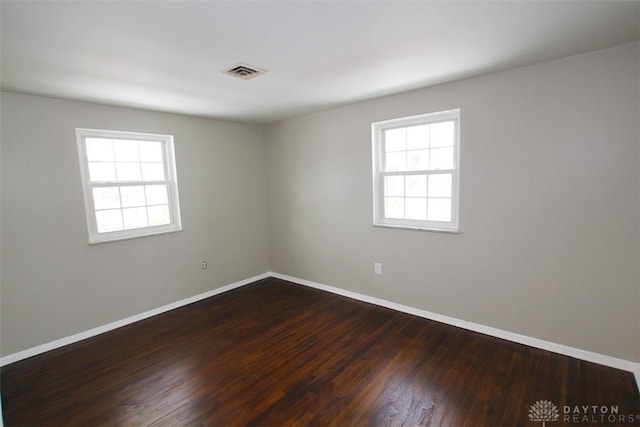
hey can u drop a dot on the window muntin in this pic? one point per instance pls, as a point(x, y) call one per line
point(129, 183)
point(415, 165)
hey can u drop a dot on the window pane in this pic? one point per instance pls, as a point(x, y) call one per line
point(394, 207)
point(418, 137)
point(129, 184)
point(442, 158)
point(128, 171)
point(152, 172)
point(159, 215)
point(102, 171)
point(394, 185)
point(132, 196)
point(108, 220)
point(395, 139)
point(418, 160)
point(126, 150)
point(156, 194)
point(150, 151)
point(415, 171)
point(416, 208)
point(396, 161)
point(106, 198)
point(440, 185)
point(439, 209)
point(134, 218)
point(99, 149)
point(442, 134)
point(416, 186)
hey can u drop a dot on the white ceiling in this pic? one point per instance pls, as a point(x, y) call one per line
point(168, 55)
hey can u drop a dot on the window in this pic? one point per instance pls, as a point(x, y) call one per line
point(415, 171)
point(129, 182)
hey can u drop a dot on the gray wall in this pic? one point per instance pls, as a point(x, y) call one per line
point(54, 284)
point(549, 210)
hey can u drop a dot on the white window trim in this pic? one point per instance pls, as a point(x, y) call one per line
point(377, 130)
point(171, 181)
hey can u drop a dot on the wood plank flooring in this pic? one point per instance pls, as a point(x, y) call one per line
point(277, 354)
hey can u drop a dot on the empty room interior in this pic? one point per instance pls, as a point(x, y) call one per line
point(319, 213)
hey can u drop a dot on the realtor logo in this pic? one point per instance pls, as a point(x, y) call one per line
point(543, 410)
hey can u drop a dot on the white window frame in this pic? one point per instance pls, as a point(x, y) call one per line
point(378, 151)
point(171, 180)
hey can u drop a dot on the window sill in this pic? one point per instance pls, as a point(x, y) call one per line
point(100, 239)
point(408, 227)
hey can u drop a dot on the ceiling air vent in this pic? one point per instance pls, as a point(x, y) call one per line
point(244, 71)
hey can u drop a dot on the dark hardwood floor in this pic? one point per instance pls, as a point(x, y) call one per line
point(277, 354)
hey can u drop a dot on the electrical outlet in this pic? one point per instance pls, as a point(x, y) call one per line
point(204, 265)
point(377, 268)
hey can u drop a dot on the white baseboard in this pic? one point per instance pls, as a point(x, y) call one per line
point(586, 355)
point(589, 356)
point(14, 357)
